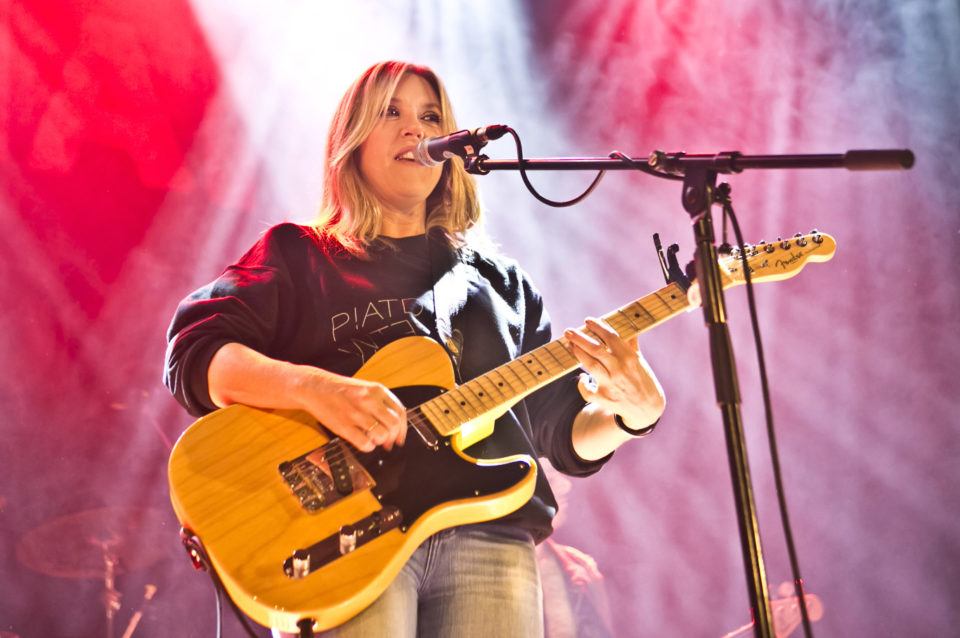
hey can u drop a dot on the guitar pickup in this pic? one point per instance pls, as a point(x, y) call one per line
point(418, 422)
point(305, 561)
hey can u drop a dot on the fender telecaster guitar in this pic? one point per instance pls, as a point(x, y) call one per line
point(301, 525)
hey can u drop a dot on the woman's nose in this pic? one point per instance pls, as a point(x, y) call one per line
point(413, 127)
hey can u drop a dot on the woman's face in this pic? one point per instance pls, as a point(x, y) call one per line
point(386, 157)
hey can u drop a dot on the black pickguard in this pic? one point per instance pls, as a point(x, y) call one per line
point(415, 477)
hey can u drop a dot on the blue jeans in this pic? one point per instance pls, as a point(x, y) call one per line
point(463, 582)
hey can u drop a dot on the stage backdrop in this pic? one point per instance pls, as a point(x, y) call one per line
point(146, 144)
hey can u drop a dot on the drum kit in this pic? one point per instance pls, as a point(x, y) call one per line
point(98, 543)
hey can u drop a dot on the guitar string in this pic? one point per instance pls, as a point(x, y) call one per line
point(458, 400)
point(462, 400)
point(535, 373)
point(619, 319)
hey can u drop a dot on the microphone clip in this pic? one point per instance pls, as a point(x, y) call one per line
point(473, 164)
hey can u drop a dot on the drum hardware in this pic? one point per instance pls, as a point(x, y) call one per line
point(98, 543)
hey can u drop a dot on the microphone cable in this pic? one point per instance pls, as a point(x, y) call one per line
point(533, 191)
point(723, 197)
point(635, 164)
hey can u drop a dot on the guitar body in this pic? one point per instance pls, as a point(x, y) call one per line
point(237, 483)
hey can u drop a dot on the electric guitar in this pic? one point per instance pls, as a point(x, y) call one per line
point(301, 525)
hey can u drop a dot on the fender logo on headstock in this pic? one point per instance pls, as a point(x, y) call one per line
point(780, 260)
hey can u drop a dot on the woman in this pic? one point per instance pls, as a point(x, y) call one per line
point(396, 252)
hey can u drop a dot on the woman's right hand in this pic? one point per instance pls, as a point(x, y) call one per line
point(365, 413)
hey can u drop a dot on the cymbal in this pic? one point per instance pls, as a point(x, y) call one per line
point(78, 545)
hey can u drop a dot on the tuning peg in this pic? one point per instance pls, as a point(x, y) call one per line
point(783, 244)
point(801, 240)
point(817, 237)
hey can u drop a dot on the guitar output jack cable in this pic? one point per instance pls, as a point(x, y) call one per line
point(201, 562)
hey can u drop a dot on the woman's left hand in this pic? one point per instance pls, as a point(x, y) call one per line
point(623, 382)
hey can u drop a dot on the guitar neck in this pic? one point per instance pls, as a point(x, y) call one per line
point(510, 382)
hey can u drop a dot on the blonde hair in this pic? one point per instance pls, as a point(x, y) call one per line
point(349, 212)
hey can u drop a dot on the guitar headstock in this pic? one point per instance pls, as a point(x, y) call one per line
point(778, 260)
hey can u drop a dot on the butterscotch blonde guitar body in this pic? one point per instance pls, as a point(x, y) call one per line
point(227, 488)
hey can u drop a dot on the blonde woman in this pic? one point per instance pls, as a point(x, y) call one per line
point(396, 251)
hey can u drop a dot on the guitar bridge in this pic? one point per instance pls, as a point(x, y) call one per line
point(325, 475)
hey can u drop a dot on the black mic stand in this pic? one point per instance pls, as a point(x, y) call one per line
point(698, 198)
point(699, 174)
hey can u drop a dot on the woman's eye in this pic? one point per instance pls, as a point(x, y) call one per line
point(433, 118)
point(391, 111)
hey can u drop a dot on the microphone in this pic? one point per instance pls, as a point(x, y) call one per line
point(437, 150)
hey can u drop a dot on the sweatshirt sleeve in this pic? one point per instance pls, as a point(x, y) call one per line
point(553, 408)
point(243, 305)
